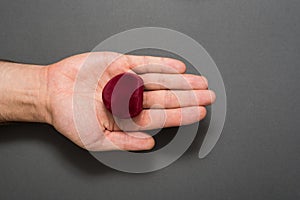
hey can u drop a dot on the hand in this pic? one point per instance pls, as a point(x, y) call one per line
point(171, 98)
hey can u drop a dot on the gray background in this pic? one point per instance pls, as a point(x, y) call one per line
point(256, 46)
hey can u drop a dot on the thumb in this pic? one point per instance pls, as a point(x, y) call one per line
point(131, 141)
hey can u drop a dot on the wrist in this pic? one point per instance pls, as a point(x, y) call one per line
point(23, 93)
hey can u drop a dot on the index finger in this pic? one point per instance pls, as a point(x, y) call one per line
point(152, 64)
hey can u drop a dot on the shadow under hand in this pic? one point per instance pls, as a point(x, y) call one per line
point(74, 157)
point(166, 135)
point(68, 153)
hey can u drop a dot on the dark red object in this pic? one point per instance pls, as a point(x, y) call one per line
point(123, 95)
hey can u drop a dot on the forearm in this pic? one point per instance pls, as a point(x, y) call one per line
point(23, 92)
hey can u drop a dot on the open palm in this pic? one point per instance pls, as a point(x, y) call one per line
point(171, 98)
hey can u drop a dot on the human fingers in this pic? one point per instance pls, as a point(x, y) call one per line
point(177, 98)
point(152, 64)
point(161, 118)
point(119, 140)
point(154, 81)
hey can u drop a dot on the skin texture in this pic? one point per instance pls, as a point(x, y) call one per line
point(45, 94)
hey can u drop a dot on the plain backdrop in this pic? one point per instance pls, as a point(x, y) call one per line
point(254, 43)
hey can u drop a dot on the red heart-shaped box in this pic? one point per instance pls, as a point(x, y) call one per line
point(123, 95)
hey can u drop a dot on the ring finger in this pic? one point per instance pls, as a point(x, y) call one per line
point(177, 98)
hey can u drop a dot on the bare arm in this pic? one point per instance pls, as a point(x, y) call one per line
point(23, 92)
